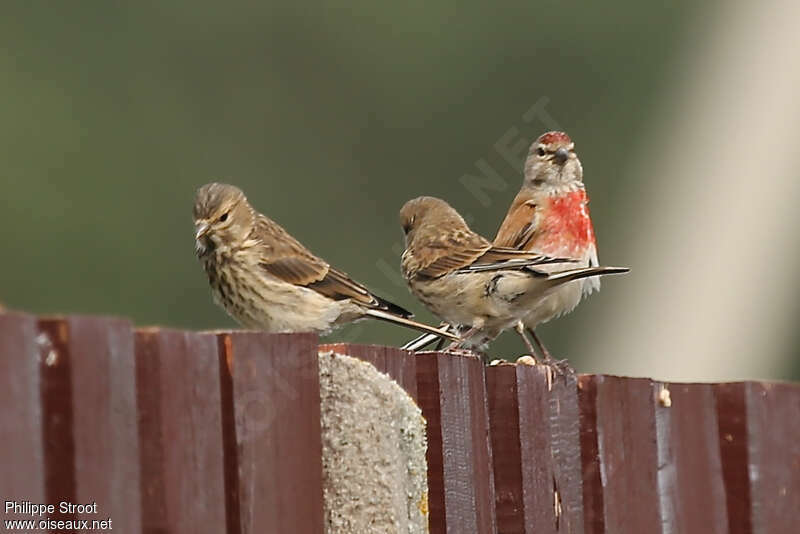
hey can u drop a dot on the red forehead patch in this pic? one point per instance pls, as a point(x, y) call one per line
point(550, 138)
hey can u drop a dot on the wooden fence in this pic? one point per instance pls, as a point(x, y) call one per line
point(183, 432)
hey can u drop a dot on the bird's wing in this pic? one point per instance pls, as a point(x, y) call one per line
point(503, 258)
point(519, 226)
point(287, 259)
point(284, 257)
point(300, 270)
point(444, 252)
point(463, 250)
point(338, 285)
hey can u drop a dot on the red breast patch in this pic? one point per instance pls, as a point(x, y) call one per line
point(566, 228)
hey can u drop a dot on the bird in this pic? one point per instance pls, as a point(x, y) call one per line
point(550, 215)
point(468, 282)
point(267, 280)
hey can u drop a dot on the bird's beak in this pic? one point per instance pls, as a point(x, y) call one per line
point(561, 155)
point(202, 229)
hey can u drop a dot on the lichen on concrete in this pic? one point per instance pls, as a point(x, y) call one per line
point(373, 451)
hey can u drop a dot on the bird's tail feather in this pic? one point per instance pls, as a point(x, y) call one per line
point(393, 308)
point(524, 263)
point(577, 274)
point(409, 323)
point(420, 342)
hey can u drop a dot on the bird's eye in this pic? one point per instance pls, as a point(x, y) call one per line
point(540, 151)
point(408, 224)
point(223, 217)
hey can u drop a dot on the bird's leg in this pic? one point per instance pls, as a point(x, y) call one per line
point(440, 342)
point(455, 346)
point(520, 328)
point(561, 366)
point(539, 344)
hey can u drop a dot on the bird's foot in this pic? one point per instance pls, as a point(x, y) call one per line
point(560, 367)
point(456, 351)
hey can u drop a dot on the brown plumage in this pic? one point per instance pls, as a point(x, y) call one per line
point(267, 280)
point(464, 279)
point(550, 215)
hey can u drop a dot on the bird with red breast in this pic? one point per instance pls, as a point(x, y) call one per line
point(550, 216)
point(468, 282)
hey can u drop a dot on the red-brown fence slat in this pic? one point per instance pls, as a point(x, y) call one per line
point(565, 446)
point(759, 432)
point(452, 394)
point(733, 442)
point(57, 415)
point(773, 415)
point(180, 431)
point(399, 364)
point(593, 505)
point(173, 431)
point(91, 384)
point(535, 449)
point(690, 482)
point(22, 470)
point(619, 454)
point(276, 404)
point(504, 429)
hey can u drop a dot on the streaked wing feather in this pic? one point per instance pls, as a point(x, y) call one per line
point(284, 257)
point(454, 261)
point(528, 264)
point(298, 270)
point(501, 258)
point(446, 252)
point(287, 259)
point(338, 286)
point(499, 254)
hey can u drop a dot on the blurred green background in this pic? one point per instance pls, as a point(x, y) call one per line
point(329, 116)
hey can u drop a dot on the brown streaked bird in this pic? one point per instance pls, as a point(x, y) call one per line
point(550, 216)
point(266, 280)
point(466, 281)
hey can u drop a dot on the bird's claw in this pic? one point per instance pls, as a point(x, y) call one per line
point(461, 352)
point(560, 367)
